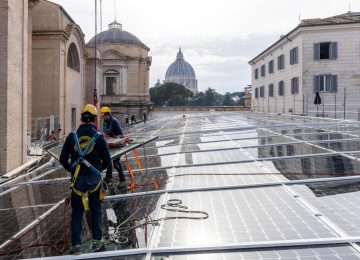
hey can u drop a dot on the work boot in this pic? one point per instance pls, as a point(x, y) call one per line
point(122, 185)
point(98, 246)
point(75, 250)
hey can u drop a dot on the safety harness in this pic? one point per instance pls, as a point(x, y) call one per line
point(77, 165)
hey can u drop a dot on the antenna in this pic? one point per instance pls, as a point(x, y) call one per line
point(115, 8)
point(101, 20)
point(349, 7)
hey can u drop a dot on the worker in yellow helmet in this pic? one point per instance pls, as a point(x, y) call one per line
point(89, 155)
point(112, 128)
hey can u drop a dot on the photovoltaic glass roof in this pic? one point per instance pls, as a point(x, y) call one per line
point(215, 185)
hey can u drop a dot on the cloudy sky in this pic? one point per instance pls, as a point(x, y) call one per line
point(218, 38)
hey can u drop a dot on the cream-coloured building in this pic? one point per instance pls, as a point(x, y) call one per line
point(319, 55)
point(15, 81)
point(125, 66)
point(46, 69)
point(58, 65)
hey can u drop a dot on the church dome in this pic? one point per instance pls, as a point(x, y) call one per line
point(115, 34)
point(180, 68)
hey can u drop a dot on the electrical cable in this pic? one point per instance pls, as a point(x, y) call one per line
point(173, 205)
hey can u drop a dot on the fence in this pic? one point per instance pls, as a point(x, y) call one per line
point(202, 108)
point(343, 104)
point(41, 128)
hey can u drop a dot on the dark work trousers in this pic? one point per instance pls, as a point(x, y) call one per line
point(96, 216)
point(118, 167)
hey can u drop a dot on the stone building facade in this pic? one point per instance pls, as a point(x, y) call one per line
point(15, 41)
point(319, 55)
point(46, 69)
point(58, 65)
point(124, 77)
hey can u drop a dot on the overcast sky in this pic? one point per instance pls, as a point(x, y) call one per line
point(218, 38)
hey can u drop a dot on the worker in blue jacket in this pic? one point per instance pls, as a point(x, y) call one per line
point(89, 155)
point(111, 127)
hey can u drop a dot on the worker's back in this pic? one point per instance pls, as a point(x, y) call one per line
point(98, 155)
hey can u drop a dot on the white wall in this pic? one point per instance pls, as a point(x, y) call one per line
point(346, 67)
point(278, 104)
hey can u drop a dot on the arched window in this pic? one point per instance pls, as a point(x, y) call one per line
point(73, 60)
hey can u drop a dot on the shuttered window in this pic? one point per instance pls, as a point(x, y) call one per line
point(294, 56)
point(262, 91)
point(281, 62)
point(325, 51)
point(281, 88)
point(295, 85)
point(271, 66)
point(256, 93)
point(262, 71)
point(271, 90)
point(325, 83)
point(256, 73)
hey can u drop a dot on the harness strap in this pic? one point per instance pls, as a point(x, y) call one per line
point(85, 195)
point(77, 166)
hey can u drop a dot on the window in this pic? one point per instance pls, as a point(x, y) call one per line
point(262, 141)
point(281, 88)
point(256, 93)
point(272, 151)
point(295, 85)
point(281, 62)
point(271, 90)
point(279, 151)
point(294, 56)
point(290, 150)
point(325, 51)
point(305, 165)
point(262, 71)
point(325, 83)
point(271, 66)
point(73, 60)
point(262, 90)
point(110, 86)
point(256, 74)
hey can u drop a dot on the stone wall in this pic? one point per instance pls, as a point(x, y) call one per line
point(13, 82)
point(278, 104)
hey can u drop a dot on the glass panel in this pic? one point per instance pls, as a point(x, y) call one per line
point(270, 148)
point(304, 253)
point(261, 214)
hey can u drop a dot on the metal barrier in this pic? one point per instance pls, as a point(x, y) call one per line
point(343, 104)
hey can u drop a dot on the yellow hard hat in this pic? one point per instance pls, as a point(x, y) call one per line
point(90, 109)
point(104, 110)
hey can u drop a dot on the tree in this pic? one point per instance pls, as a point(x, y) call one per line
point(209, 97)
point(170, 93)
point(227, 99)
point(198, 99)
